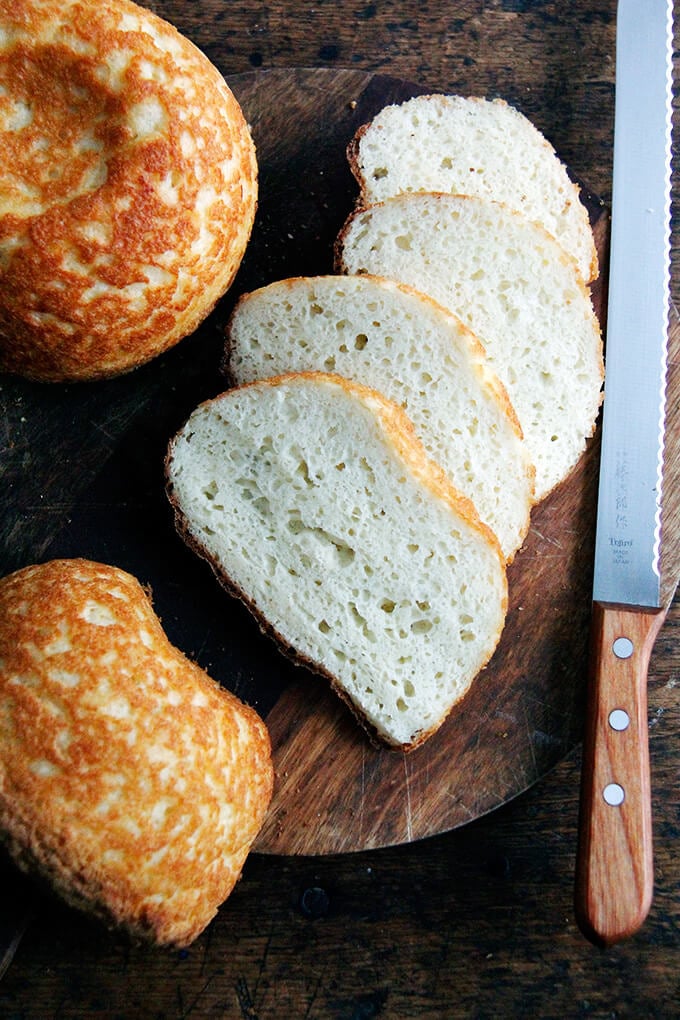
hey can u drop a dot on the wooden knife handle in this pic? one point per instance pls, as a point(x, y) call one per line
point(614, 872)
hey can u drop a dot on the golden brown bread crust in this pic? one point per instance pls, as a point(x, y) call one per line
point(128, 186)
point(129, 779)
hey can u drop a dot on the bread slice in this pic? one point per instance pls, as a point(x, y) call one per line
point(313, 501)
point(473, 146)
point(129, 780)
point(512, 284)
point(414, 352)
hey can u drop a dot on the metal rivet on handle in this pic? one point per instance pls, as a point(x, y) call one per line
point(619, 719)
point(613, 794)
point(623, 648)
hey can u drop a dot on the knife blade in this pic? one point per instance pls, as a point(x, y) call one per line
point(614, 876)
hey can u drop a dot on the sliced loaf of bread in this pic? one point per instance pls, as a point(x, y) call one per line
point(400, 342)
point(512, 284)
point(473, 146)
point(313, 501)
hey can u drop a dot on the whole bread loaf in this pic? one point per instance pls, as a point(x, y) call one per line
point(473, 146)
point(128, 186)
point(414, 352)
point(511, 283)
point(129, 780)
point(312, 499)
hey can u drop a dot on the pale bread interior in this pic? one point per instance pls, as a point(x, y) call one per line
point(312, 498)
point(473, 146)
point(510, 282)
point(417, 354)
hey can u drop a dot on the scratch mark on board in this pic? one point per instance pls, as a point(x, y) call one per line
point(104, 432)
point(263, 960)
point(245, 1001)
point(207, 942)
point(186, 1011)
point(409, 826)
point(363, 790)
point(461, 803)
point(310, 1004)
point(545, 538)
point(529, 739)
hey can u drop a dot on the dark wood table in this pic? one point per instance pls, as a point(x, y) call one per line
point(476, 922)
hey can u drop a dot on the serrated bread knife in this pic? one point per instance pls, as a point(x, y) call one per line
point(614, 878)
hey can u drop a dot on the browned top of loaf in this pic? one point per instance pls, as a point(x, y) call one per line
point(128, 777)
point(127, 187)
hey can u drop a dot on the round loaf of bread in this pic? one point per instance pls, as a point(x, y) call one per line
point(130, 781)
point(128, 187)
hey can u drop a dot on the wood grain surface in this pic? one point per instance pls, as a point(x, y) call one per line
point(615, 858)
point(335, 791)
point(476, 922)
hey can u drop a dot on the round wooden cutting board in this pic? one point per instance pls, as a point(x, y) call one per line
point(82, 475)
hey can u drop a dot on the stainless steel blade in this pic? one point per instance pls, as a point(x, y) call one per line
point(629, 502)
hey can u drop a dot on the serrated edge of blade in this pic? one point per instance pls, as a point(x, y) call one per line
point(667, 218)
